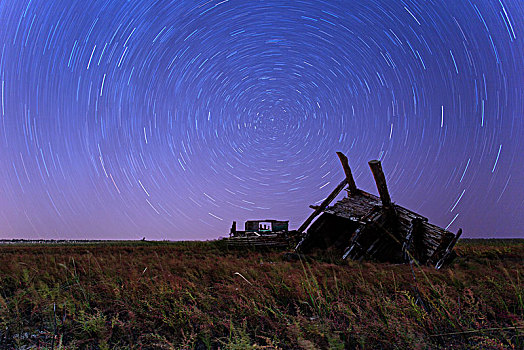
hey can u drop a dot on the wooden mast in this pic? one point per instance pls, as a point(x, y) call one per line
point(347, 170)
point(380, 180)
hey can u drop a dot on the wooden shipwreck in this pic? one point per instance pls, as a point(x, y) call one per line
point(364, 226)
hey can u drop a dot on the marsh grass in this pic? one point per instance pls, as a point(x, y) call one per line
point(137, 295)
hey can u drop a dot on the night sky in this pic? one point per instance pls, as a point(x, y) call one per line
point(170, 119)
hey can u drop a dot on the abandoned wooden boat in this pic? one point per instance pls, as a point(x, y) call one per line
point(364, 226)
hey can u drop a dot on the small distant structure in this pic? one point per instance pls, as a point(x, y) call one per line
point(261, 233)
point(259, 227)
point(364, 226)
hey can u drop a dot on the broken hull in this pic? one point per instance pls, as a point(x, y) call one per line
point(359, 227)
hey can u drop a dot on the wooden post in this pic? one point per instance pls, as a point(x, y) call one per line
point(380, 179)
point(323, 205)
point(455, 240)
point(347, 170)
point(413, 245)
point(449, 254)
point(233, 231)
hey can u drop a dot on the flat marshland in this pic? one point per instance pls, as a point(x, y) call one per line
point(185, 295)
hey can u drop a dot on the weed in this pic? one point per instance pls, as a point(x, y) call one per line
point(200, 295)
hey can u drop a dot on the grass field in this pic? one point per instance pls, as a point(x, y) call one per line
point(146, 295)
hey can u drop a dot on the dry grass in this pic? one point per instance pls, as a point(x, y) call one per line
point(136, 295)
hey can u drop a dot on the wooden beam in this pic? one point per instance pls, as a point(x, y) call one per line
point(354, 250)
point(347, 170)
point(448, 254)
point(412, 245)
point(233, 231)
point(380, 180)
point(323, 205)
point(320, 208)
point(455, 239)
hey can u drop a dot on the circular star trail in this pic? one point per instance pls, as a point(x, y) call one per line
point(170, 119)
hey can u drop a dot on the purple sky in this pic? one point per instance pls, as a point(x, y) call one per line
point(170, 119)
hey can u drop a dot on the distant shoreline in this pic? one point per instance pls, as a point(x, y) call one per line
point(79, 241)
point(116, 241)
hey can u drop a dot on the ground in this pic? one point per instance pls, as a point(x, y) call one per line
point(184, 295)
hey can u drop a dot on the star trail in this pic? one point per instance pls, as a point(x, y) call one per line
point(171, 119)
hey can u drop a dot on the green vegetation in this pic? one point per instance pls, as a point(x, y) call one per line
point(143, 295)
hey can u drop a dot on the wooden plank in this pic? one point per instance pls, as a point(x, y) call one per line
point(323, 205)
point(455, 240)
point(347, 170)
point(412, 245)
point(355, 251)
point(357, 206)
point(380, 180)
point(319, 210)
point(449, 251)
